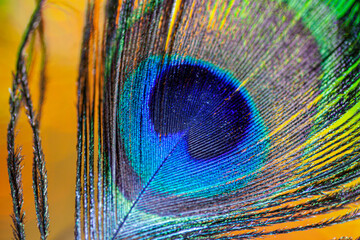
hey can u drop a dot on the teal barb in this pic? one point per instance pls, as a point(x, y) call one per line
point(218, 119)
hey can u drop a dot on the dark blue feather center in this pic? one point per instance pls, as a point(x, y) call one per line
point(212, 113)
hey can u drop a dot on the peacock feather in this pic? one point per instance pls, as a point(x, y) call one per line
point(206, 119)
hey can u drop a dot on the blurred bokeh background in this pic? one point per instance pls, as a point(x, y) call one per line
point(63, 31)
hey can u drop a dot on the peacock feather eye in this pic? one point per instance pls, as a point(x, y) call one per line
point(195, 117)
point(228, 120)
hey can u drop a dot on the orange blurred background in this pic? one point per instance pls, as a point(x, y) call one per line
point(63, 30)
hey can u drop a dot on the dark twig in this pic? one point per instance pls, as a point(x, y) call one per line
point(20, 92)
point(14, 167)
